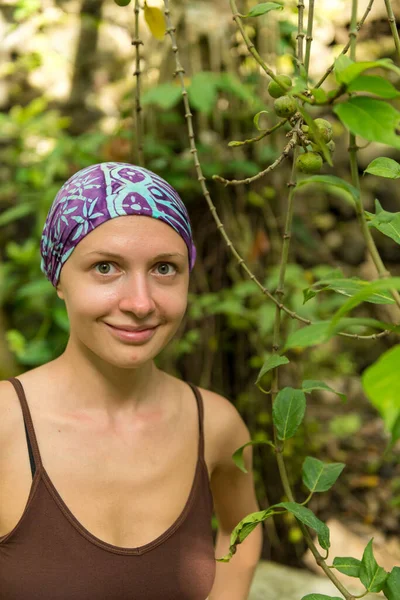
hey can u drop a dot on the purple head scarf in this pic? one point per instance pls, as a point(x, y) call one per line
point(102, 192)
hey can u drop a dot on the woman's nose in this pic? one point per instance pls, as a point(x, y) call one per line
point(136, 297)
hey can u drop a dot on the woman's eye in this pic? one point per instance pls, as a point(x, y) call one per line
point(102, 264)
point(165, 267)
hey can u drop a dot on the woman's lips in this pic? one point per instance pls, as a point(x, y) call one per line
point(133, 336)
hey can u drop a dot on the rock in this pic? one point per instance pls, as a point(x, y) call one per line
point(345, 542)
point(277, 582)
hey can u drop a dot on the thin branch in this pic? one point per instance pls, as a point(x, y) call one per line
point(285, 247)
point(279, 444)
point(353, 148)
point(137, 142)
point(347, 46)
point(259, 137)
point(309, 37)
point(300, 32)
point(353, 29)
point(251, 48)
point(286, 151)
point(393, 26)
point(188, 116)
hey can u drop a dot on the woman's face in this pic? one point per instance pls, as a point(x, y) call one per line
point(141, 288)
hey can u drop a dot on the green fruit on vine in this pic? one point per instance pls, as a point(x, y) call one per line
point(122, 2)
point(309, 162)
point(285, 106)
point(324, 129)
point(275, 90)
point(331, 146)
point(316, 148)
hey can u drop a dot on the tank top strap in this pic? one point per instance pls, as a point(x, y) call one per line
point(33, 448)
point(200, 408)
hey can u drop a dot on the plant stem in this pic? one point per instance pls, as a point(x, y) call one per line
point(188, 116)
point(137, 144)
point(393, 26)
point(300, 32)
point(309, 38)
point(353, 148)
point(261, 136)
point(285, 249)
point(251, 48)
point(347, 46)
point(270, 167)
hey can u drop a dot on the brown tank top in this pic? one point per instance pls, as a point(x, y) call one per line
point(49, 555)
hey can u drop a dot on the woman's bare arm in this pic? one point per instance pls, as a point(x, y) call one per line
point(234, 498)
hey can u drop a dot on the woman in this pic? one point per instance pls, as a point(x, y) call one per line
point(114, 497)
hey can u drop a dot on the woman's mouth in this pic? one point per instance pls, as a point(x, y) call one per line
point(133, 336)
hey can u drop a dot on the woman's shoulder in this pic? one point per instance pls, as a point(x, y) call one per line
point(224, 424)
point(10, 415)
point(221, 409)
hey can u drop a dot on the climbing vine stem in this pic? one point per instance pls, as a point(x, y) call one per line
point(393, 25)
point(179, 72)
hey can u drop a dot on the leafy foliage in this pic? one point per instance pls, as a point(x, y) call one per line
point(288, 412)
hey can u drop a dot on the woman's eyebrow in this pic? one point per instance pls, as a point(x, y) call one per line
point(120, 257)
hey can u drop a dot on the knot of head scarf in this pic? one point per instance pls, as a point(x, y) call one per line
point(102, 192)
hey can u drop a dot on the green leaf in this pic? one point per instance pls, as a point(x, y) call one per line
point(203, 91)
point(231, 84)
point(392, 584)
point(384, 167)
point(238, 454)
point(263, 8)
point(165, 95)
point(341, 64)
point(243, 529)
point(345, 426)
point(319, 476)
point(288, 412)
point(316, 134)
point(16, 212)
point(374, 85)
point(330, 180)
point(388, 283)
point(347, 565)
point(356, 322)
point(386, 222)
point(321, 331)
point(395, 431)
point(271, 362)
point(320, 597)
point(310, 335)
point(371, 574)
point(256, 119)
point(319, 95)
point(309, 385)
point(374, 120)
point(347, 74)
point(349, 287)
point(381, 384)
point(299, 85)
point(308, 294)
point(38, 287)
point(306, 516)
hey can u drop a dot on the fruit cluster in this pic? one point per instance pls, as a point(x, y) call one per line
point(285, 105)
